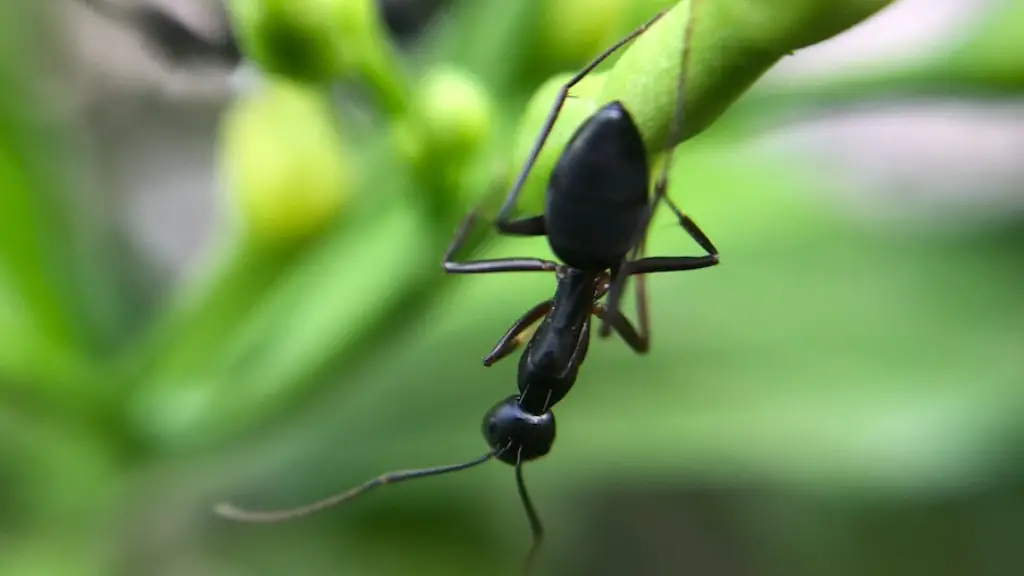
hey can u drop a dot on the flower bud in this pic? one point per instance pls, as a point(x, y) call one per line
point(285, 165)
point(574, 31)
point(456, 113)
point(307, 40)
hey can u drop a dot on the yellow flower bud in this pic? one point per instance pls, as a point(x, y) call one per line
point(456, 112)
point(574, 31)
point(284, 162)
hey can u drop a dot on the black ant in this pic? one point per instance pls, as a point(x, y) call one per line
point(596, 220)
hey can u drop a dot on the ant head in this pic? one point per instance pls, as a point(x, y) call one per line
point(517, 435)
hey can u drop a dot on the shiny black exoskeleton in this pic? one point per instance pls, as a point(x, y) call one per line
point(596, 216)
point(533, 435)
point(597, 211)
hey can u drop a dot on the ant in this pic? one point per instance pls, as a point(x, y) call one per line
point(596, 219)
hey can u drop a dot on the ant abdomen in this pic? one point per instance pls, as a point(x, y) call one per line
point(516, 435)
point(598, 193)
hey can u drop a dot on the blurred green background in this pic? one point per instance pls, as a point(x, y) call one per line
point(207, 294)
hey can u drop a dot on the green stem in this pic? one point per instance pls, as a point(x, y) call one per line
point(726, 45)
point(36, 239)
point(769, 106)
point(387, 79)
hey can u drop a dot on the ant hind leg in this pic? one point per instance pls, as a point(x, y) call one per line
point(452, 266)
point(679, 263)
point(638, 338)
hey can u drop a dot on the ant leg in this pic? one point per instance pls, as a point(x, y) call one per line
point(691, 228)
point(620, 274)
point(642, 311)
point(638, 339)
point(676, 263)
point(517, 333)
point(531, 226)
point(661, 263)
point(563, 92)
point(640, 266)
point(493, 265)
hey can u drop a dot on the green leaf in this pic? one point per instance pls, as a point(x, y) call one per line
point(33, 245)
point(59, 291)
point(469, 39)
point(270, 356)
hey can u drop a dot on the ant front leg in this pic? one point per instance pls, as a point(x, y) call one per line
point(451, 266)
point(517, 333)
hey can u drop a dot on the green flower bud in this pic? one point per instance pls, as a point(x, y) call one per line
point(580, 104)
point(573, 31)
point(408, 141)
point(456, 113)
point(307, 40)
point(368, 51)
point(284, 162)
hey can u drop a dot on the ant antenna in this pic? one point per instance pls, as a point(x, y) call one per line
point(531, 514)
point(232, 512)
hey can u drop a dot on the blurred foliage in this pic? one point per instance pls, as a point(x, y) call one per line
point(865, 375)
